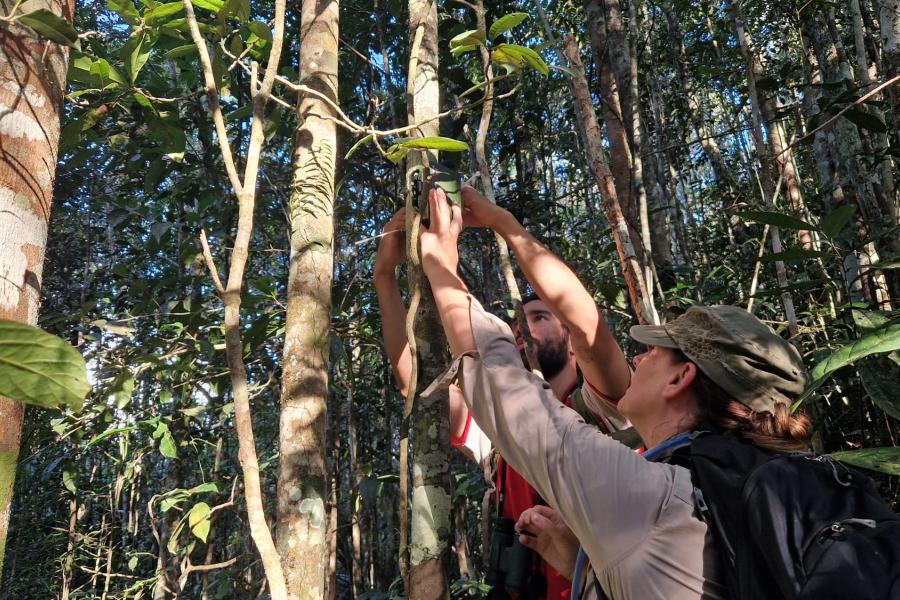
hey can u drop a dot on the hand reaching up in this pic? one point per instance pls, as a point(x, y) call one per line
point(478, 211)
point(438, 242)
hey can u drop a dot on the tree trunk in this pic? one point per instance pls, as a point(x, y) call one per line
point(765, 116)
point(427, 553)
point(884, 185)
point(844, 140)
point(695, 111)
point(302, 476)
point(606, 46)
point(584, 110)
point(654, 228)
point(32, 86)
point(889, 20)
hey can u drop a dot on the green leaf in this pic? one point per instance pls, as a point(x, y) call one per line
point(198, 520)
point(125, 9)
point(122, 390)
point(186, 50)
point(884, 339)
point(172, 546)
point(868, 320)
point(776, 219)
point(162, 11)
point(523, 54)
point(865, 120)
point(69, 481)
point(793, 255)
point(40, 369)
point(54, 28)
point(167, 446)
point(505, 23)
point(258, 37)
point(132, 563)
point(459, 50)
point(886, 264)
point(396, 153)
point(362, 141)
point(473, 89)
point(210, 5)
point(239, 9)
point(436, 143)
point(832, 223)
point(565, 70)
point(108, 433)
point(136, 53)
point(879, 378)
point(472, 37)
point(203, 488)
point(169, 502)
point(883, 460)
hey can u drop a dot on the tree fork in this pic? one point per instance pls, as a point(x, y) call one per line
point(230, 293)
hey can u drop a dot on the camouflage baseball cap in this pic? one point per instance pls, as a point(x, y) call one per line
point(736, 350)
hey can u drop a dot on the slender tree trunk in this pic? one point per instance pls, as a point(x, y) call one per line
point(32, 85)
point(695, 110)
point(765, 110)
point(889, 20)
point(302, 520)
point(654, 228)
point(427, 552)
point(845, 143)
point(230, 291)
point(609, 57)
point(631, 269)
point(487, 183)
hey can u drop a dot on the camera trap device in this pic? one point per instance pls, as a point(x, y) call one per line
point(436, 175)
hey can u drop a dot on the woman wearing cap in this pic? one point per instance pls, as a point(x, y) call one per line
point(634, 517)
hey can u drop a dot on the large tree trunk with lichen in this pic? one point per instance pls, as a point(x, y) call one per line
point(302, 474)
point(425, 552)
point(32, 86)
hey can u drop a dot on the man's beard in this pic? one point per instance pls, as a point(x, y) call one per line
point(552, 355)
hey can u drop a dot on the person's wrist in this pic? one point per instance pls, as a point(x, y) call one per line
point(504, 222)
point(438, 265)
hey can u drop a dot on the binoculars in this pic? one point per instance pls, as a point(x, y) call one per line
point(511, 565)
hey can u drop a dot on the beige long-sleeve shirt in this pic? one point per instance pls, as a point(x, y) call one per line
point(634, 518)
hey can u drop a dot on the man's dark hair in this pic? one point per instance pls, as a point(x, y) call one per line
point(530, 298)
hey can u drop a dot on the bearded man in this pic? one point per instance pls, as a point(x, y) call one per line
point(570, 335)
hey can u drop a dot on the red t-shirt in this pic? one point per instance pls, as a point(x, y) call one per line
point(519, 496)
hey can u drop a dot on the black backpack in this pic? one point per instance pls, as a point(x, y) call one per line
point(793, 525)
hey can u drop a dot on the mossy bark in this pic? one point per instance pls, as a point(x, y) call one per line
point(302, 475)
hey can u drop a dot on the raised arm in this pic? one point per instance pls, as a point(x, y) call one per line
point(608, 495)
point(392, 252)
point(599, 356)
